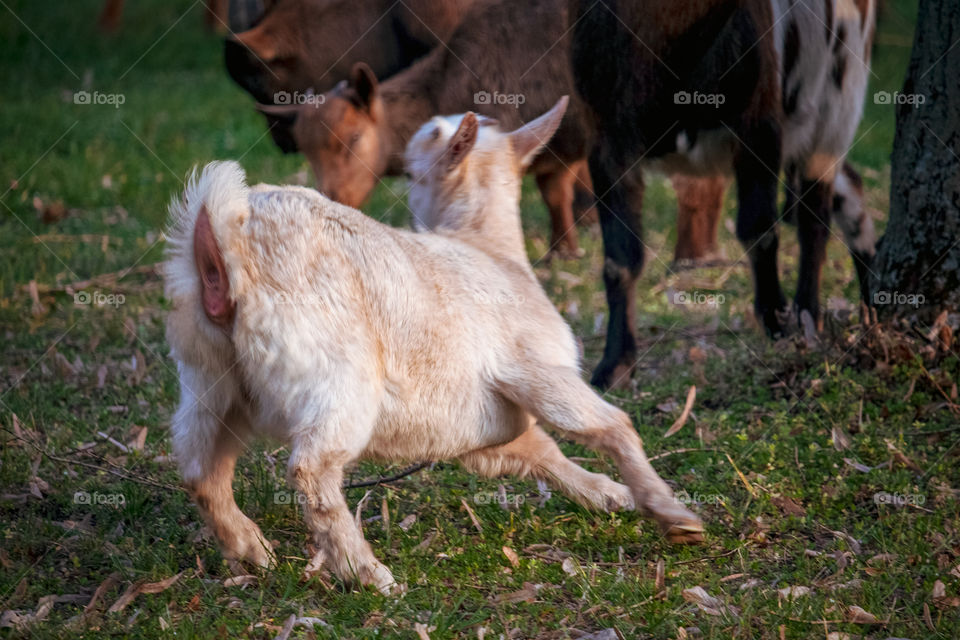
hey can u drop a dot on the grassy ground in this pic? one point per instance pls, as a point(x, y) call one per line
point(784, 455)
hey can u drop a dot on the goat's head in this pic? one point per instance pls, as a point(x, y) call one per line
point(453, 160)
point(340, 133)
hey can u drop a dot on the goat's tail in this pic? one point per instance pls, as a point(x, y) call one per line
point(204, 225)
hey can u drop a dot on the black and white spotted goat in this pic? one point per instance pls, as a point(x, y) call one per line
point(752, 87)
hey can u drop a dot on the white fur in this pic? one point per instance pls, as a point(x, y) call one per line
point(355, 340)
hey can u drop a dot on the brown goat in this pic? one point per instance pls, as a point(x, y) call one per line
point(508, 60)
point(300, 45)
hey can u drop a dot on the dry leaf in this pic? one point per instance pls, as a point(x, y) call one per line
point(789, 506)
point(423, 631)
point(687, 407)
point(940, 598)
point(527, 594)
point(511, 556)
point(570, 566)
point(900, 457)
point(407, 522)
point(841, 439)
point(707, 603)
point(473, 516)
point(240, 581)
point(859, 616)
point(794, 592)
point(139, 587)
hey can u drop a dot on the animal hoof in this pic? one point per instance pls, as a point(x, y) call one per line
point(685, 537)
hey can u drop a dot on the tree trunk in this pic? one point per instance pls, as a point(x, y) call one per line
point(917, 267)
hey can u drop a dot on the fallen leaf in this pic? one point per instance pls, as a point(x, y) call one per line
point(841, 439)
point(240, 581)
point(423, 631)
point(707, 603)
point(794, 592)
point(605, 634)
point(527, 594)
point(473, 516)
point(570, 566)
point(858, 615)
point(900, 457)
point(789, 506)
point(511, 556)
point(407, 522)
point(940, 598)
point(687, 407)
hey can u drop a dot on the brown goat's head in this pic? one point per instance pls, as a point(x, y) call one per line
point(340, 133)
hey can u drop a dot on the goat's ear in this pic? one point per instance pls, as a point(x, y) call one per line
point(529, 139)
point(260, 41)
point(461, 142)
point(364, 85)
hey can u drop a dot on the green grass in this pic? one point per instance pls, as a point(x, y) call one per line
point(765, 410)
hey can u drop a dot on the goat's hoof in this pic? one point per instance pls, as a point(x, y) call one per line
point(618, 497)
point(685, 537)
point(680, 525)
point(565, 253)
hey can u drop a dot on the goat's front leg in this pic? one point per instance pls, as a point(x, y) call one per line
point(558, 397)
point(318, 476)
point(536, 454)
point(206, 447)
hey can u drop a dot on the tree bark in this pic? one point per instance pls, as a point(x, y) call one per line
point(916, 271)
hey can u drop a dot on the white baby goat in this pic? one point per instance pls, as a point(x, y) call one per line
point(302, 319)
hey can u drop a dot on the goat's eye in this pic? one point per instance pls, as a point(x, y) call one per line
point(406, 174)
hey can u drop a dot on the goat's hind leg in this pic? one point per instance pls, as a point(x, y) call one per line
point(536, 454)
point(318, 475)
point(206, 448)
point(559, 397)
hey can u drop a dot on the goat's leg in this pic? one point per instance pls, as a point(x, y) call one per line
point(556, 188)
point(584, 200)
point(699, 204)
point(757, 169)
point(536, 454)
point(619, 191)
point(318, 476)
point(206, 448)
point(855, 222)
point(559, 397)
point(813, 208)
